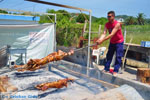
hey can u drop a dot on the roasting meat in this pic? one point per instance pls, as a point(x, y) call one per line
point(34, 64)
point(57, 84)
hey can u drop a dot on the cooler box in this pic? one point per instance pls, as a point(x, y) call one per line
point(145, 43)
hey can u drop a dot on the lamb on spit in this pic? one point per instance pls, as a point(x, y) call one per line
point(34, 64)
point(56, 84)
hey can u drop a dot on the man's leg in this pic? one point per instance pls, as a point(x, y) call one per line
point(119, 55)
point(109, 56)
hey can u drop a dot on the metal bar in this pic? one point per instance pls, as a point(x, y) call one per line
point(99, 31)
point(88, 60)
point(55, 32)
point(14, 10)
point(125, 32)
point(149, 59)
point(59, 5)
point(26, 57)
point(84, 47)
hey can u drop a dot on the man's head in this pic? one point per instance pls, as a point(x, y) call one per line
point(111, 16)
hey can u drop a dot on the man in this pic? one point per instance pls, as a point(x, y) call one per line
point(116, 42)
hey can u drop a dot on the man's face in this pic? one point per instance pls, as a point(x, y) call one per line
point(110, 17)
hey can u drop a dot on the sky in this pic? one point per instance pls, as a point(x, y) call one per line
point(99, 7)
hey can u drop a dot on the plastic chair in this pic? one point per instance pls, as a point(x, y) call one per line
point(98, 52)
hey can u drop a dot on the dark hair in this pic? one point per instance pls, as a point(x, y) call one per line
point(111, 12)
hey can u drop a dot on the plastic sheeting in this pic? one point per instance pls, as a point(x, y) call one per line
point(38, 39)
point(41, 44)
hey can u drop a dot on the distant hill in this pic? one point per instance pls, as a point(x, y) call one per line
point(123, 16)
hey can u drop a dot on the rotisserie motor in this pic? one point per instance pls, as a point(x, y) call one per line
point(57, 84)
point(34, 64)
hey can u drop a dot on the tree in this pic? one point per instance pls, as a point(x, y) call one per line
point(82, 17)
point(101, 20)
point(50, 11)
point(148, 21)
point(140, 19)
point(3, 11)
point(130, 20)
point(64, 13)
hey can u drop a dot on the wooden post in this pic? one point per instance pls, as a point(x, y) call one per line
point(143, 75)
point(149, 61)
point(148, 58)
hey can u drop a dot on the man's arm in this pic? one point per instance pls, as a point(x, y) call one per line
point(103, 35)
point(116, 28)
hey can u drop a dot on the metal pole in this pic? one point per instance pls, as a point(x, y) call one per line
point(149, 59)
point(99, 31)
point(59, 5)
point(88, 60)
point(125, 32)
point(55, 32)
point(14, 10)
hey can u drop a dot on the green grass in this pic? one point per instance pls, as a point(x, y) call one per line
point(137, 32)
point(73, 32)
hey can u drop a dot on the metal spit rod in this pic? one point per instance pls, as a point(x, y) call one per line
point(84, 47)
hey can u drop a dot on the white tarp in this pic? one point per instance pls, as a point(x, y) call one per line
point(37, 39)
point(41, 44)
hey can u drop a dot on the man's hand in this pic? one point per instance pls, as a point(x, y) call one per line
point(71, 52)
point(99, 41)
